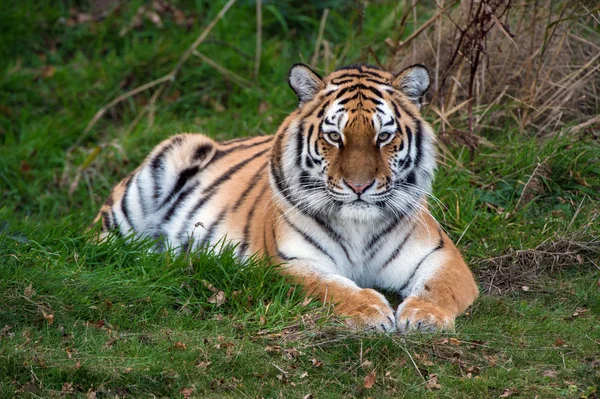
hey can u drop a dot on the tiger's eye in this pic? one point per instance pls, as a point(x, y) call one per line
point(334, 136)
point(383, 137)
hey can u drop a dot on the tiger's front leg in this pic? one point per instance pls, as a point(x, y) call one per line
point(361, 308)
point(441, 289)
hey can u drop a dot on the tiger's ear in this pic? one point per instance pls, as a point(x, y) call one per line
point(413, 82)
point(305, 82)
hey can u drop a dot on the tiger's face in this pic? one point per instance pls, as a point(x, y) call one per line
point(357, 147)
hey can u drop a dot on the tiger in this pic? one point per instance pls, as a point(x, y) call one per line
point(338, 198)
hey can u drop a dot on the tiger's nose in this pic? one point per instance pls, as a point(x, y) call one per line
point(359, 188)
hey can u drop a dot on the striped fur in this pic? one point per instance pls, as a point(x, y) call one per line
point(339, 195)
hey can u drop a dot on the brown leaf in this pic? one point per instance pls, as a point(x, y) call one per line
point(49, 318)
point(218, 298)
point(263, 107)
point(187, 392)
point(370, 379)
point(67, 387)
point(29, 291)
point(110, 342)
point(550, 373)
point(559, 342)
point(179, 346)
point(507, 392)
point(492, 360)
point(579, 259)
point(77, 364)
point(316, 363)
point(203, 365)
point(208, 285)
point(263, 320)
point(454, 342)
point(91, 394)
point(432, 382)
point(127, 370)
point(47, 72)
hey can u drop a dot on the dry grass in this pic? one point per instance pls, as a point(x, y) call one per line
point(536, 63)
point(526, 268)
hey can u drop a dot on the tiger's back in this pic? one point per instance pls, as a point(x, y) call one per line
point(192, 191)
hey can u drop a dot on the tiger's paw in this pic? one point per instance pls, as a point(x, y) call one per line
point(368, 310)
point(416, 314)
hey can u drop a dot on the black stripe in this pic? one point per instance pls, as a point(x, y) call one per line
point(362, 76)
point(201, 152)
point(184, 176)
point(440, 246)
point(407, 162)
point(156, 164)
point(219, 181)
point(396, 251)
point(144, 207)
point(308, 238)
point(418, 143)
point(372, 244)
point(245, 237)
point(299, 144)
point(238, 140)
point(178, 201)
point(322, 110)
point(277, 250)
point(124, 205)
point(106, 221)
point(250, 186)
point(220, 153)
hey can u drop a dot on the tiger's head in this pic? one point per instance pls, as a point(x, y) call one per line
point(357, 146)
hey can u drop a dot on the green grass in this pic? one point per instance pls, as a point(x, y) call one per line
point(116, 319)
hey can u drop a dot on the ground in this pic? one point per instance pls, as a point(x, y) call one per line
point(86, 320)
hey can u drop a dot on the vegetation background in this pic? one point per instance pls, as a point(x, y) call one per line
point(87, 88)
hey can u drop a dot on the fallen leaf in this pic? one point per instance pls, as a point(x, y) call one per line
point(263, 320)
point(316, 363)
point(29, 291)
point(308, 396)
point(263, 107)
point(179, 346)
point(187, 392)
point(203, 365)
point(492, 360)
point(127, 370)
point(110, 342)
point(67, 387)
point(525, 288)
point(454, 342)
point(432, 382)
point(370, 379)
point(78, 365)
point(367, 364)
point(49, 318)
point(47, 71)
point(550, 373)
point(91, 394)
point(507, 392)
point(205, 283)
point(559, 342)
point(218, 298)
point(303, 375)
